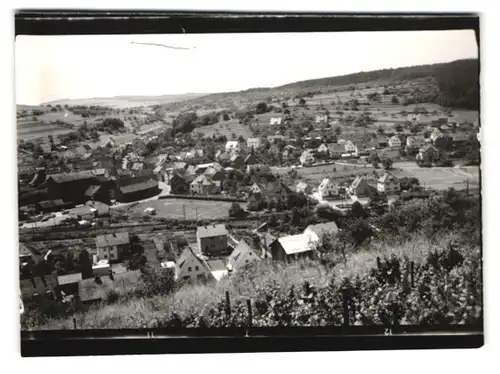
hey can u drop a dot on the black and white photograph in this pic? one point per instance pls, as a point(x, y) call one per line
point(249, 183)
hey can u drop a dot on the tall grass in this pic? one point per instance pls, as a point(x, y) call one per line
point(130, 311)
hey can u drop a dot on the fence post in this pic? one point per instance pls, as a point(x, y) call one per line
point(378, 263)
point(249, 305)
point(74, 323)
point(345, 305)
point(228, 304)
point(412, 274)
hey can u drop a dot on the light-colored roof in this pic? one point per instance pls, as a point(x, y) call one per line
point(69, 278)
point(117, 238)
point(294, 244)
point(240, 249)
point(232, 143)
point(327, 227)
point(211, 230)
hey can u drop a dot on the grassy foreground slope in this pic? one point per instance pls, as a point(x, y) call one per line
point(446, 287)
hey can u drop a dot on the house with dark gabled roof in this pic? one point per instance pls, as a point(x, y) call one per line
point(241, 256)
point(237, 162)
point(204, 185)
point(191, 267)
point(360, 187)
point(179, 184)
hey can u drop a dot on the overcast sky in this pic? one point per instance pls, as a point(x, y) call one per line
point(70, 67)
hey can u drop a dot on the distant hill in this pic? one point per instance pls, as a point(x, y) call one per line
point(127, 101)
point(451, 84)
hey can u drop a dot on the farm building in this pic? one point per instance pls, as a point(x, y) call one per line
point(291, 247)
point(322, 149)
point(360, 187)
point(204, 185)
point(388, 184)
point(179, 184)
point(138, 189)
point(316, 232)
point(237, 162)
point(71, 187)
point(48, 206)
point(212, 239)
point(336, 150)
point(241, 256)
point(112, 247)
point(428, 153)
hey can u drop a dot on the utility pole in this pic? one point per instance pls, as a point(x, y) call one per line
point(184, 211)
point(467, 186)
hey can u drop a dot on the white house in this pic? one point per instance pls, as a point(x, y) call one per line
point(321, 118)
point(253, 143)
point(255, 189)
point(112, 246)
point(232, 146)
point(306, 158)
point(414, 118)
point(275, 121)
point(388, 184)
point(394, 142)
point(350, 147)
point(322, 148)
point(327, 188)
point(241, 256)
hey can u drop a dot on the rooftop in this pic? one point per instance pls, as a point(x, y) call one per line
point(69, 278)
point(327, 227)
point(117, 238)
point(151, 183)
point(211, 230)
point(294, 244)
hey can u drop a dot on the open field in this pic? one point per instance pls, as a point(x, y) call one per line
point(226, 128)
point(175, 208)
point(440, 178)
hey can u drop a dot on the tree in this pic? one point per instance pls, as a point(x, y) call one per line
point(398, 127)
point(394, 100)
point(357, 210)
point(261, 108)
point(387, 162)
point(225, 117)
point(338, 130)
point(296, 218)
point(273, 220)
point(378, 203)
point(236, 211)
point(85, 264)
point(302, 102)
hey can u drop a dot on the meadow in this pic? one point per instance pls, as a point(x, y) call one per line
point(225, 128)
point(175, 209)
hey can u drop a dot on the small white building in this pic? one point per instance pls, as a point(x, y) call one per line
point(316, 232)
point(275, 121)
point(232, 146)
point(321, 118)
point(253, 143)
point(394, 142)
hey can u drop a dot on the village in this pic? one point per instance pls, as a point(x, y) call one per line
point(94, 214)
